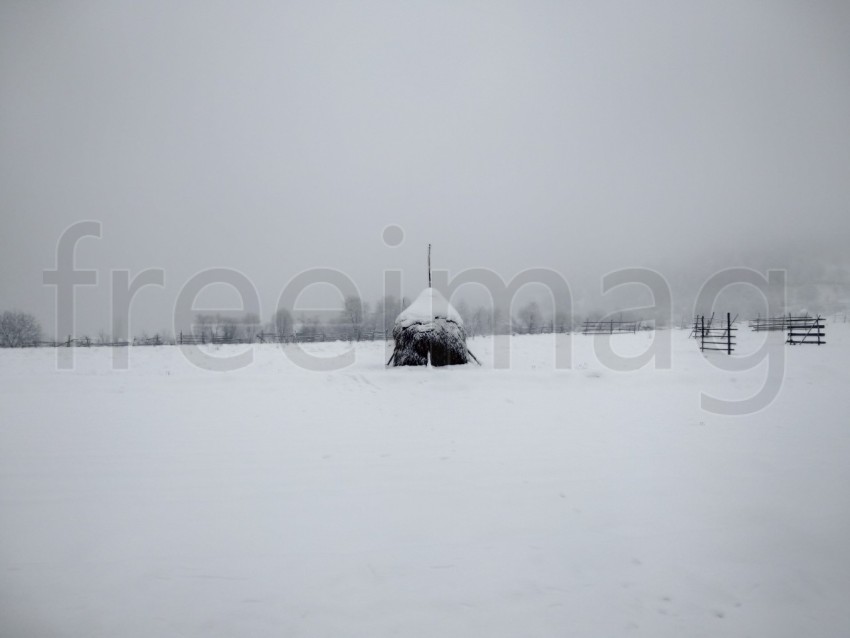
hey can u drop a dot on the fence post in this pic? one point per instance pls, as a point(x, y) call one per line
point(728, 333)
point(702, 332)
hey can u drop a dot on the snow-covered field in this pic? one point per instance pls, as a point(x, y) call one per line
point(165, 500)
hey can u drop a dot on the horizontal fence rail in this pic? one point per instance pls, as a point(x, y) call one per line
point(609, 327)
point(783, 323)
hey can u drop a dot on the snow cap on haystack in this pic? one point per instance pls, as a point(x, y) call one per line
point(429, 305)
point(429, 330)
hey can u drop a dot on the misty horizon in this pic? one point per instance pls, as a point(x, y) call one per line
point(275, 139)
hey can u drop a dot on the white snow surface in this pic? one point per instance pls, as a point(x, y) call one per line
point(429, 305)
point(165, 500)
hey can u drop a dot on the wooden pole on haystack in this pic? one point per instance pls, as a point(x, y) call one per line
point(428, 361)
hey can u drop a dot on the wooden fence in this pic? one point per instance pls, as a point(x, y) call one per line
point(714, 337)
point(609, 327)
point(769, 324)
point(806, 330)
point(695, 327)
point(801, 329)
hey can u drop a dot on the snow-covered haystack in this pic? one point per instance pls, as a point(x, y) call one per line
point(429, 329)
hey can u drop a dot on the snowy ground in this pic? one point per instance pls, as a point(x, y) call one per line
point(366, 502)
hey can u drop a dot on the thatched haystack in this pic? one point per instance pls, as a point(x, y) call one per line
point(429, 330)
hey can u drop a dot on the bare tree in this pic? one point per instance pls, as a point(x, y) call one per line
point(370, 320)
point(500, 321)
point(18, 329)
point(310, 326)
point(353, 312)
point(477, 322)
point(228, 328)
point(352, 315)
point(562, 321)
point(530, 317)
point(204, 325)
point(282, 322)
point(250, 325)
point(386, 311)
point(465, 313)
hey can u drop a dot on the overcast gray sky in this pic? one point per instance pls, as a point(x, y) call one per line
point(273, 137)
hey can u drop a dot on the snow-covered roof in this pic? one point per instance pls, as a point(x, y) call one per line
point(429, 305)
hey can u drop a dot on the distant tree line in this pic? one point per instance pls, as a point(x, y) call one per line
point(360, 320)
point(357, 320)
